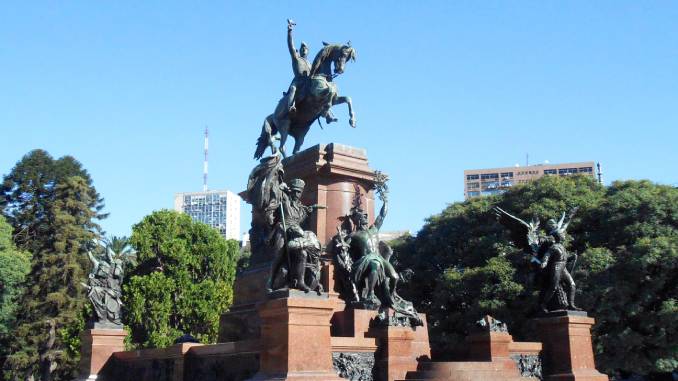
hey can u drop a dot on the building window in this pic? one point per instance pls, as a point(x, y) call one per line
point(550, 172)
point(506, 174)
point(507, 184)
point(567, 171)
point(473, 185)
point(585, 170)
point(489, 176)
point(491, 192)
point(472, 177)
point(473, 193)
point(490, 185)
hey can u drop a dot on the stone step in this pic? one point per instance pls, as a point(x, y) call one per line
point(472, 378)
point(507, 365)
point(467, 371)
point(464, 375)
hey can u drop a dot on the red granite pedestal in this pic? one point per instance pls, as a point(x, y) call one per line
point(400, 352)
point(241, 322)
point(489, 346)
point(568, 350)
point(400, 348)
point(333, 174)
point(295, 338)
point(97, 347)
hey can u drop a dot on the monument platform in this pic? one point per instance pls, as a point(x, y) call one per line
point(568, 350)
point(304, 336)
point(98, 346)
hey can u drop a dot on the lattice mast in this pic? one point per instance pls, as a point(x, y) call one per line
point(204, 167)
point(600, 173)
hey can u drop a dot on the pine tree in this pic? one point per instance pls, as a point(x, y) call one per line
point(28, 191)
point(52, 207)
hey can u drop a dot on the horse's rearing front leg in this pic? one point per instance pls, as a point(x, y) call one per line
point(347, 100)
point(283, 129)
point(299, 137)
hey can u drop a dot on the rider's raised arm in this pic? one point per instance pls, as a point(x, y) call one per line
point(382, 214)
point(290, 41)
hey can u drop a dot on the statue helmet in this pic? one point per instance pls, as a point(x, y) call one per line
point(557, 228)
point(297, 184)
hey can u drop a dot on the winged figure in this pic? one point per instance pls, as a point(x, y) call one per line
point(548, 252)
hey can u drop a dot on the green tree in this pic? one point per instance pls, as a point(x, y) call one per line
point(465, 267)
point(53, 292)
point(629, 282)
point(122, 250)
point(29, 190)
point(14, 265)
point(183, 282)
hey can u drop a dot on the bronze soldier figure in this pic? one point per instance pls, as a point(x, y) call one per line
point(290, 216)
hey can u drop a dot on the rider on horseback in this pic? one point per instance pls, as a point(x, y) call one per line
point(302, 70)
point(309, 97)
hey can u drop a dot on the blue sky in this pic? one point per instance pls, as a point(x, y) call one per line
point(439, 87)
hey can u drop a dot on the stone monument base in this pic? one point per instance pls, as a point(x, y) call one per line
point(568, 350)
point(295, 337)
point(97, 347)
point(292, 335)
point(490, 358)
point(241, 322)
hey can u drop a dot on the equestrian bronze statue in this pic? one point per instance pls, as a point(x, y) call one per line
point(309, 97)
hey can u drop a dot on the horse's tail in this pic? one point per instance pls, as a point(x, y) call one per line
point(265, 139)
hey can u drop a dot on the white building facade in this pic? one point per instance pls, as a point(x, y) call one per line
point(219, 209)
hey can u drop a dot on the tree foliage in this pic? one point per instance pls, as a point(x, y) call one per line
point(14, 265)
point(626, 236)
point(53, 291)
point(52, 207)
point(122, 250)
point(29, 190)
point(183, 281)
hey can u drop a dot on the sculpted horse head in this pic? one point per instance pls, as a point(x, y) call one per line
point(336, 54)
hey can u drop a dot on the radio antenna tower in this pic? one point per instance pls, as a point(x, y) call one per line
point(204, 167)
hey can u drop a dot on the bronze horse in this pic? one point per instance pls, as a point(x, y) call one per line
point(315, 95)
